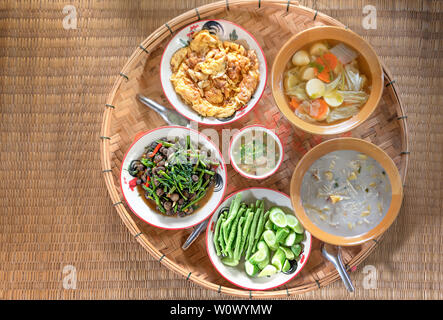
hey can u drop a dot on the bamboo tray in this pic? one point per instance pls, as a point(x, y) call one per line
point(271, 22)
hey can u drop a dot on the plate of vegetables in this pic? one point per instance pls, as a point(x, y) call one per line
point(173, 177)
point(255, 241)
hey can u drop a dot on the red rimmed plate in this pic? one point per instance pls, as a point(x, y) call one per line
point(137, 203)
point(225, 30)
point(237, 275)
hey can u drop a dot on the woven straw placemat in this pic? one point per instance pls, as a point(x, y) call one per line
point(56, 215)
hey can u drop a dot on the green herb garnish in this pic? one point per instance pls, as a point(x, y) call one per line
point(316, 65)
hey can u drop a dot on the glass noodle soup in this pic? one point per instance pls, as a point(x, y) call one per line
point(256, 152)
point(324, 82)
point(346, 193)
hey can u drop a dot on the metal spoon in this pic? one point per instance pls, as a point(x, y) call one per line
point(195, 233)
point(335, 259)
point(170, 116)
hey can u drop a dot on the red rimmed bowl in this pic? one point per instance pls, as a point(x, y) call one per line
point(149, 214)
point(249, 133)
point(237, 275)
point(225, 30)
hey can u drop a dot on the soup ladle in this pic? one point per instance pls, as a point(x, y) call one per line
point(333, 255)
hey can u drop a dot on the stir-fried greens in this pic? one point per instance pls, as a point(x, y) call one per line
point(175, 174)
point(325, 84)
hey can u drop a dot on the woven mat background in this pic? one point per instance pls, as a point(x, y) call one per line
point(55, 210)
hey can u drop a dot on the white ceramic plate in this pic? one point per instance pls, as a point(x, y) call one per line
point(257, 128)
point(137, 204)
point(225, 30)
point(237, 275)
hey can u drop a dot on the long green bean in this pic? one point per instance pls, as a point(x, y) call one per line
point(233, 232)
point(220, 238)
point(232, 213)
point(252, 233)
point(238, 239)
point(216, 233)
point(261, 224)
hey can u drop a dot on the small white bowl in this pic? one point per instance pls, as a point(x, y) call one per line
point(225, 30)
point(241, 133)
point(237, 275)
point(138, 205)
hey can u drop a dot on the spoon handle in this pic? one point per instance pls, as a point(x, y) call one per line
point(194, 234)
point(151, 104)
point(343, 274)
point(338, 264)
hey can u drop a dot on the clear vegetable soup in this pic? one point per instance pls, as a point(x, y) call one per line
point(346, 193)
point(256, 152)
point(324, 82)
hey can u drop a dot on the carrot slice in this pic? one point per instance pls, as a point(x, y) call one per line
point(328, 61)
point(323, 76)
point(294, 104)
point(319, 109)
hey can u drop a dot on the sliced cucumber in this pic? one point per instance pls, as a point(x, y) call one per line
point(251, 269)
point(290, 239)
point(296, 249)
point(299, 238)
point(278, 259)
point(268, 271)
point(261, 245)
point(269, 225)
point(315, 88)
point(281, 235)
point(278, 217)
point(263, 264)
point(259, 256)
point(288, 253)
point(294, 224)
point(270, 239)
point(230, 261)
point(286, 266)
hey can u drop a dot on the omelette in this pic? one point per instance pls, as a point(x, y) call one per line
point(216, 78)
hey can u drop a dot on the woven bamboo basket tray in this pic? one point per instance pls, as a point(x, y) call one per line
point(271, 23)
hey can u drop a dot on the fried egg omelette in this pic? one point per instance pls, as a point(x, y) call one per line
point(214, 77)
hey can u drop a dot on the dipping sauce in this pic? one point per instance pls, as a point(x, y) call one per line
point(256, 152)
point(346, 193)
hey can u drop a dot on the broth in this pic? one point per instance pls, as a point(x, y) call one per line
point(346, 193)
point(256, 153)
point(326, 82)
